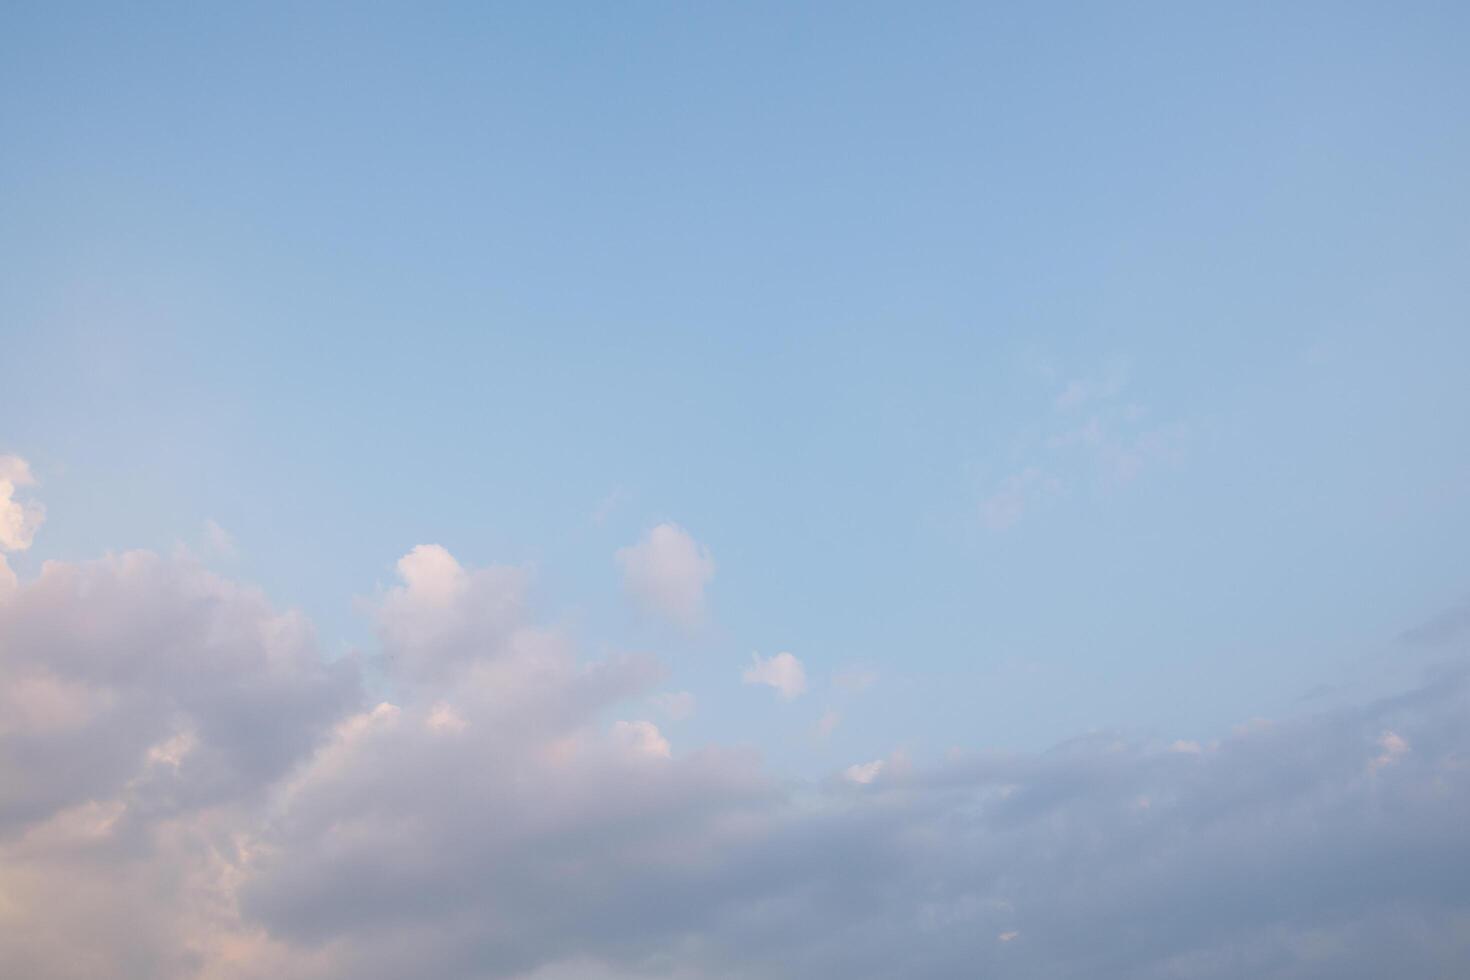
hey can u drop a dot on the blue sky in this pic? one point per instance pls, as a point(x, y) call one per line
point(1051, 368)
point(812, 284)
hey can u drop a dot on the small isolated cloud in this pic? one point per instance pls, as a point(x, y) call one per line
point(782, 672)
point(1006, 937)
point(666, 573)
point(827, 724)
point(863, 773)
point(19, 519)
point(677, 705)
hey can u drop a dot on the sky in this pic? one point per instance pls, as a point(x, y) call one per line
point(762, 490)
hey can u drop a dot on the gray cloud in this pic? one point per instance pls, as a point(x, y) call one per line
point(203, 798)
point(1443, 629)
point(106, 663)
point(146, 709)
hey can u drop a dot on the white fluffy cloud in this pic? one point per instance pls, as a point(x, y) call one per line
point(782, 672)
point(19, 519)
point(666, 573)
point(190, 791)
point(863, 773)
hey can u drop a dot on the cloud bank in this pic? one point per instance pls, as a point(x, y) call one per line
point(189, 790)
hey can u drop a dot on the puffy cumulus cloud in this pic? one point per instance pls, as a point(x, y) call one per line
point(146, 709)
point(220, 805)
point(666, 573)
point(643, 738)
point(19, 519)
point(442, 618)
point(102, 662)
point(783, 672)
point(535, 833)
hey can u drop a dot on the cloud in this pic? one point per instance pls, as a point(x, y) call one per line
point(1393, 746)
point(191, 791)
point(443, 618)
point(218, 540)
point(855, 680)
point(147, 709)
point(642, 738)
point(105, 661)
point(1442, 629)
point(678, 705)
point(1112, 445)
point(19, 519)
point(666, 573)
point(1108, 383)
point(827, 724)
point(1120, 452)
point(782, 672)
point(1015, 495)
point(615, 498)
point(443, 718)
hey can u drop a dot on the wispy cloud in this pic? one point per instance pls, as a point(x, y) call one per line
point(218, 540)
point(1092, 436)
point(677, 705)
point(827, 724)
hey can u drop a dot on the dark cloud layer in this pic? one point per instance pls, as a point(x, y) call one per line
point(188, 791)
